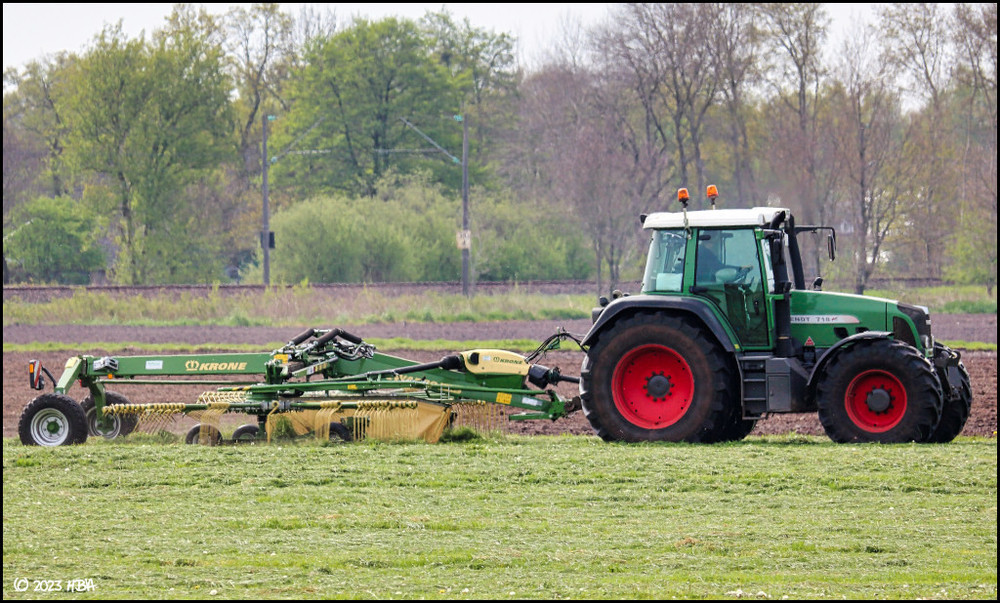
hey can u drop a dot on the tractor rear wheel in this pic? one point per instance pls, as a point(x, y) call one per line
point(652, 377)
point(121, 426)
point(212, 436)
point(879, 391)
point(52, 420)
point(955, 413)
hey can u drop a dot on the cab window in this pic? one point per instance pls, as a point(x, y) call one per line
point(665, 263)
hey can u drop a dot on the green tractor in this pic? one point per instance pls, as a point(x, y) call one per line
point(725, 332)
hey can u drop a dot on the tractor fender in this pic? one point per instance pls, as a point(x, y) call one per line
point(835, 349)
point(629, 305)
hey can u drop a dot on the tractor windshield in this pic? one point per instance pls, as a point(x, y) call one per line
point(665, 264)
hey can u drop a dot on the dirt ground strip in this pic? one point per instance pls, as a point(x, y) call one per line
point(982, 366)
point(951, 327)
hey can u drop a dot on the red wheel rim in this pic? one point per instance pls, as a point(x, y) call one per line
point(652, 387)
point(875, 400)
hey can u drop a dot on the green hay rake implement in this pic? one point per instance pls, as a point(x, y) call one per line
point(325, 381)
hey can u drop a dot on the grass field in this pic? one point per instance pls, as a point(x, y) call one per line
point(306, 305)
point(952, 299)
point(296, 306)
point(503, 517)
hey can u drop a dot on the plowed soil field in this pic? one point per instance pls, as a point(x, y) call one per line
point(16, 394)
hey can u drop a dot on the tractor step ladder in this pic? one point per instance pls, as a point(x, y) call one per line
point(754, 368)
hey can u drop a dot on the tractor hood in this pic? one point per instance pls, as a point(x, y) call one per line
point(827, 317)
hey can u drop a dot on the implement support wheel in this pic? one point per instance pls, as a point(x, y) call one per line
point(246, 434)
point(52, 420)
point(203, 434)
point(121, 425)
point(340, 433)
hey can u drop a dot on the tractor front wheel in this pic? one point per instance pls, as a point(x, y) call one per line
point(52, 420)
point(880, 391)
point(653, 377)
point(121, 426)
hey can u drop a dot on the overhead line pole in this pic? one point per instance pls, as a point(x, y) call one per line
point(465, 204)
point(464, 237)
point(265, 236)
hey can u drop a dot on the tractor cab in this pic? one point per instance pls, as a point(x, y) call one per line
point(745, 264)
point(732, 264)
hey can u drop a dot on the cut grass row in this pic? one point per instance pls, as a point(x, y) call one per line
point(505, 518)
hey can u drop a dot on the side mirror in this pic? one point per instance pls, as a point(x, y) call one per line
point(818, 283)
point(831, 246)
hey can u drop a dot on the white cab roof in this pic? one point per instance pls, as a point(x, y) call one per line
point(715, 217)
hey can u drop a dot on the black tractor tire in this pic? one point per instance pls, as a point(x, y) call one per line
point(655, 377)
point(340, 432)
point(733, 427)
point(956, 411)
point(879, 391)
point(121, 425)
point(246, 434)
point(52, 420)
point(737, 428)
point(194, 435)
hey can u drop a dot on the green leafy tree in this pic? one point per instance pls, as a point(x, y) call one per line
point(149, 119)
point(484, 69)
point(349, 102)
point(53, 242)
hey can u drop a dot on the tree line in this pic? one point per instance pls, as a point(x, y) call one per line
point(141, 158)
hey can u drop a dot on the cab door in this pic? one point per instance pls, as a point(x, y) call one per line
point(728, 272)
